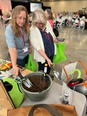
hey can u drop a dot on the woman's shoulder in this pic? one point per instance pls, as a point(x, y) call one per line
point(9, 27)
point(33, 28)
point(34, 31)
point(9, 30)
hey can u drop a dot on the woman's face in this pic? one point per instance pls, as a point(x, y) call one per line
point(21, 19)
point(46, 14)
point(40, 25)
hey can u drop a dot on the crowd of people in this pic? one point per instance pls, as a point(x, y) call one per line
point(72, 19)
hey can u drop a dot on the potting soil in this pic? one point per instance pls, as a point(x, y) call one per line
point(39, 84)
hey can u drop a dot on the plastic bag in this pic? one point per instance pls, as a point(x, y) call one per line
point(31, 65)
point(59, 56)
point(67, 69)
point(77, 66)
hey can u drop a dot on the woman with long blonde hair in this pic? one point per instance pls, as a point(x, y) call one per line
point(17, 37)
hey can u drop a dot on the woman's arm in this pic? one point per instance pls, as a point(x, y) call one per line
point(13, 56)
point(11, 47)
point(42, 53)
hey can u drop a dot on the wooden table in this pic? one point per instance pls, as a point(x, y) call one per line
point(26, 71)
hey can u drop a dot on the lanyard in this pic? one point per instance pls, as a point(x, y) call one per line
point(46, 34)
point(23, 38)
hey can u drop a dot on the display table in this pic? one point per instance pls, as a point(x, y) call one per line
point(7, 71)
point(78, 100)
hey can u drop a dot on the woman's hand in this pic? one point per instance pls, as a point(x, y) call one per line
point(15, 69)
point(49, 62)
point(55, 40)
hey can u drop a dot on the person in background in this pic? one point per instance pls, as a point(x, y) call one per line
point(7, 17)
point(42, 40)
point(30, 19)
point(1, 15)
point(17, 38)
point(49, 16)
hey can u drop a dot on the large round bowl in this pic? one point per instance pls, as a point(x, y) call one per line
point(37, 96)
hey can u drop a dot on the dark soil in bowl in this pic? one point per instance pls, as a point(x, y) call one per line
point(38, 84)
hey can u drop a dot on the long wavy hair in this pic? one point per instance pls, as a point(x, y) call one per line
point(14, 25)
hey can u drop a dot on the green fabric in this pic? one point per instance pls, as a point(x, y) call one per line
point(59, 56)
point(31, 65)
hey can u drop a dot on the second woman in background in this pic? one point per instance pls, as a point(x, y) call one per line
point(49, 16)
point(42, 39)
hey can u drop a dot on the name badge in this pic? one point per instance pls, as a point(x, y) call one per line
point(25, 49)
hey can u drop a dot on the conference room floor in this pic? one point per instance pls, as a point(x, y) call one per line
point(75, 41)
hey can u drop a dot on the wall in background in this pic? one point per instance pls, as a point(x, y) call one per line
point(31, 6)
point(67, 6)
point(5, 5)
point(57, 6)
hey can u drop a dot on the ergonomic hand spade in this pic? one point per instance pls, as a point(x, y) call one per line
point(25, 81)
